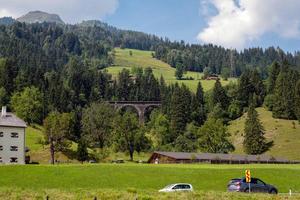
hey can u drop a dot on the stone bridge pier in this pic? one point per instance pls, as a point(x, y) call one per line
point(139, 106)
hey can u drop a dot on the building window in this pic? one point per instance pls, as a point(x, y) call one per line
point(13, 148)
point(13, 159)
point(1, 160)
point(14, 135)
point(1, 148)
point(1, 134)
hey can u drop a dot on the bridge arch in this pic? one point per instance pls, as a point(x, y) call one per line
point(140, 106)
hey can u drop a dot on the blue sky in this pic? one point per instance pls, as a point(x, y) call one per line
point(184, 20)
point(175, 19)
point(230, 23)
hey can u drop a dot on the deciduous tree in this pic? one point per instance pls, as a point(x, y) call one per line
point(57, 127)
point(97, 124)
point(28, 104)
point(213, 137)
point(126, 127)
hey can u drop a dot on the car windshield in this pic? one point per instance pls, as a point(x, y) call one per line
point(169, 186)
point(232, 181)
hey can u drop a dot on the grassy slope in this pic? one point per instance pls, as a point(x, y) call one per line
point(144, 59)
point(141, 178)
point(40, 152)
point(286, 137)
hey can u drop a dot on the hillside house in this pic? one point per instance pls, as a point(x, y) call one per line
point(12, 138)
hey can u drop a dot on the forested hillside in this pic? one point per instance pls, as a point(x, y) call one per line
point(53, 75)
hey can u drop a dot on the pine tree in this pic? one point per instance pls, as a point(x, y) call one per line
point(180, 110)
point(254, 140)
point(258, 87)
point(198, 106)
point(82, 153)
point(245, 88)
point(124, 84)
point(297, 100)
point(284, 99)
point(179, 71)
point(219, 96)
point(273, 73)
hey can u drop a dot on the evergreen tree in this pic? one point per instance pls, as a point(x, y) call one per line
point(245, 88)
point(198, 106)
point(258, 87)
point(180, 110)
point(82, 152)
point(284, 99)
point(219, 96)
point(124, 85)
point(179, 71)
point(254, 140)
point(297, 100)
point(273, 73)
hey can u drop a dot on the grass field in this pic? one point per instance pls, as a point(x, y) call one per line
point(144, 59)
point(40, 152)
point(285, 133)
point(81, 194)
point(139, 179)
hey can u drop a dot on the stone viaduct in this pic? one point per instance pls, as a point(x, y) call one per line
point(140, 106)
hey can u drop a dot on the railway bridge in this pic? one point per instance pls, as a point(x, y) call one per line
point(139, 106)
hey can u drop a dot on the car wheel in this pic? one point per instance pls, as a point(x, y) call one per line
point(273, 192)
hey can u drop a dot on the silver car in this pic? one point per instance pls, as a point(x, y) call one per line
point(178, 187)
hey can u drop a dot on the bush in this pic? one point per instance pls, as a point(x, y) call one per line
point(100, 154)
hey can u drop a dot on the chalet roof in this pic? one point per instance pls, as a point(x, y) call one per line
point(219, 156)
point(12, 120)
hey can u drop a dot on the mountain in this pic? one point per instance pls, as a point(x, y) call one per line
point(6, 21)
point(40, 17)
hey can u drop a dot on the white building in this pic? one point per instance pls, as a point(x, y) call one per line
point(12, 139)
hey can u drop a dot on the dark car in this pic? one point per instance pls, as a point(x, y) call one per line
point(256, 185)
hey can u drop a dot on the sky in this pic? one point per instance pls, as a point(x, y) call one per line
point(235, 24)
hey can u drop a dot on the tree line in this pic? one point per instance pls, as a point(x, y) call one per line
point(51, 74)
point(93, 40)
point(186, 121)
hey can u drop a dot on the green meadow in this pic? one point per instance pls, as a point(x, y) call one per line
point(144, 59)
point(284, 133)
point(139, 179)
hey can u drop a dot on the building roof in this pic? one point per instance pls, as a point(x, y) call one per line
point(12, 120)
point(219, 156)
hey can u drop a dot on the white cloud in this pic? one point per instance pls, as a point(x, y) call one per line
point(237, 25)
point(71, 11)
